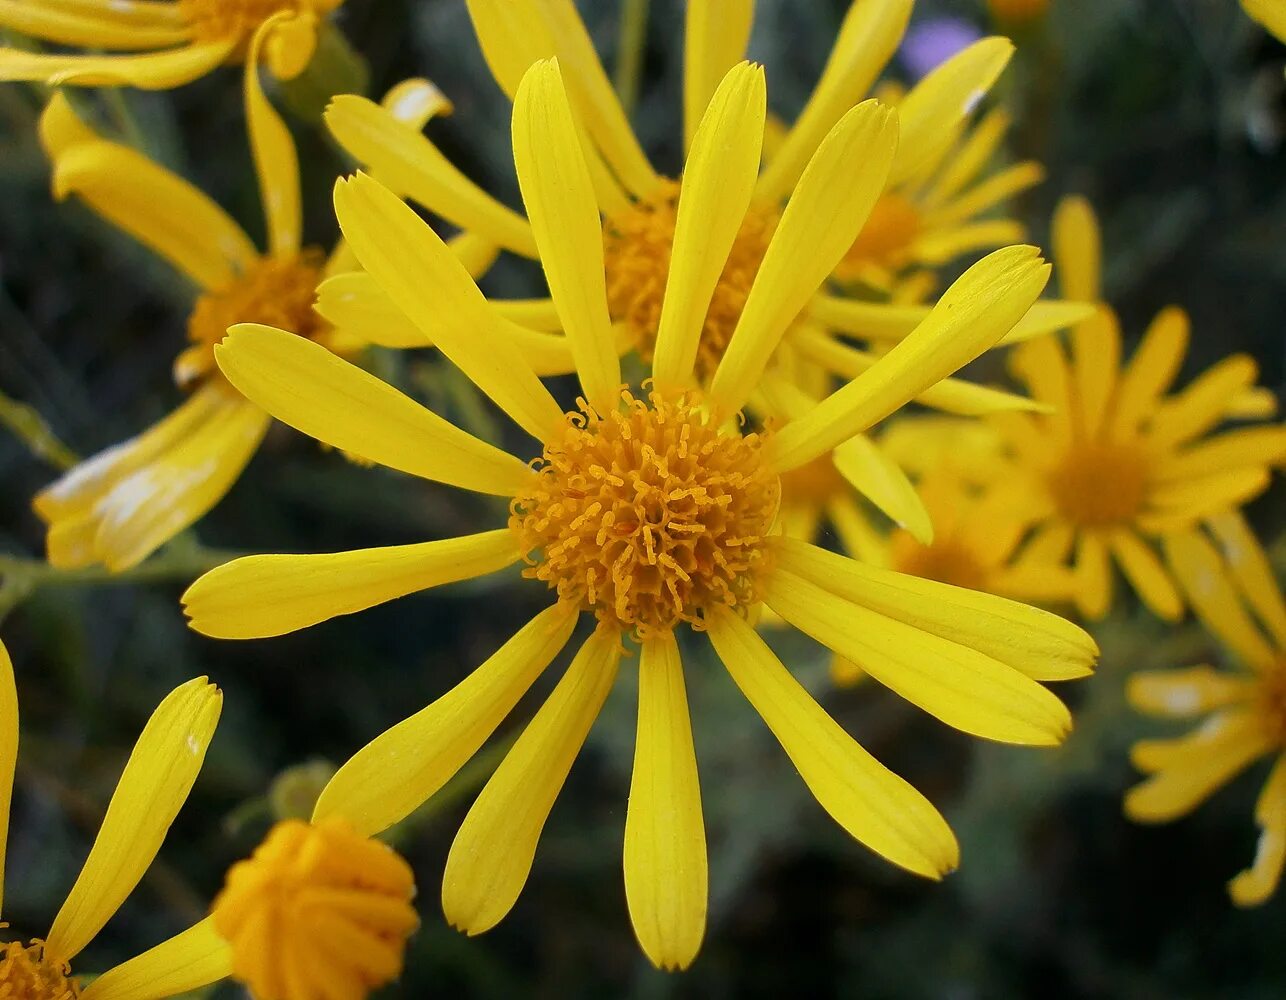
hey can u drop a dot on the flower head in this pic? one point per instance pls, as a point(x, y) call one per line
point(1233, 591)
point(650, 510)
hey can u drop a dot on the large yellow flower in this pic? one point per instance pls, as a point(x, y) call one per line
point(117, 507)
point(158, 44)
point(647, 510)
point(1236, 596)
point(1118, 462)
point(157, 778)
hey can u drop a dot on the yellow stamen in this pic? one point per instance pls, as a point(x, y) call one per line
point(1096, 484)
point(25, 974)
point(273, 291)
point(636, 256)
point(946, 561)
point(317, 910)
point(649, 515)
point(221, 20)
point(890, 230)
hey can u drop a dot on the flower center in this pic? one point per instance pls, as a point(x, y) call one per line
point(944, 561)
point(890, 229)
point(316, 904)
point(650, 515)
point(813, 484)
point(1095, 485)
point(636, 253)
point(25, 974)
point(272, 291)
point(221, 20)
point(1272, 701)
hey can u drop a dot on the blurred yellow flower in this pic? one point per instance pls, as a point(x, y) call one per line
point(158, 44)
point(1236, 596)
point(646, 510)
point(153, 787)
point(1017, 11)
point(1270, 13)
point(1119, 462)
point(335, 907)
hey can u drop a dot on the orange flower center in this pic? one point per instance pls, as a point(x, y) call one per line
point(25, 974)
point(893, 225)
point(650, 515)
point(636, 251)
point(236, 20)
point(945, 561)
point(272, 291)
point(1097, 485)
point(1272, 701)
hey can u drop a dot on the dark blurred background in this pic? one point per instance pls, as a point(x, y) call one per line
point(1168, 114)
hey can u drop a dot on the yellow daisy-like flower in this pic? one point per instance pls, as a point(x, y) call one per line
point(1236, 596)
point(158, 44)
point(1270, 13)
point(153, 787)
point(1118, 462)
point(119, 506)
point(646, 511)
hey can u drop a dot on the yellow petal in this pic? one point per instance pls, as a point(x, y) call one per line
point(1146, 574)
point(428, 283)
point(882, 481)
point(1253, 886)
point(88, 27)
point(1093, 575)
point(355, 303)
point(1194, 748)
point(1043, 366)
point(967, 161)
point(559, 196)
point(1251, 571)
point(304, 385)
point(259, 596)
point(8, 750)
point(1077, 249)
point(963, 687)
point(1254, 446)
point(188, 961)
point(867, 39)
point(1150, 371)
point(1201, 405)
point(408, 163)
point(869, 801)
point(1096, 358)
point(407, 764)
point(971, 316)
point(857, 535)
point(153, 787)
point(666, 877)
point(718, 180)
point(1033, 641)
point(492, 854)
point(1181, 694)
point(934, 109)
point(1255, 403)
point(714, 40)
point(276, 162)
point(1269, 13)
point(1179, 505)
point(889, 321)
point(153, 71)
point(945, 245)
point(289, 44)
point(1000, 186)
point(825, 213)
point(158, 208)
point(414, 102)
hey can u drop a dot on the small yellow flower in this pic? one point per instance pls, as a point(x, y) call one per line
point(317, 911)
point(153, 787)
point(1270, 13)
point(159, 44)
point(646, 510)
point(1236, 596)
point(1119, 463)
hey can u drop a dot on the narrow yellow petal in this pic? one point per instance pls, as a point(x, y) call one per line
point(971, 316)
point(869, 801)
point(276, 162)
point(1251, 571)
point(825, 213)
point(415, 102)
point(152, 71)
point(666, 876)
point(857, 535)
point(428, 283)
point(8, 751)
point(354, 303)
point(1154, 365)
point(1077, 249)
point(407, 764)
point(1093, 576)
point(559, 195)
point(1255, 403)
point(1202, 404)
point(718, 181)
point(408, 163)
point(1043, 366)
point(88, 27)
point(1269, 13)
point(1254, 885)
point(969, 159)
point(1195, 748)
point(1000, 186)
point(714, 40)
point(882, 481)
point(1180, 504)
point(492, 854)
point(1096, 359)
point(302, 384)
point(1235, 450)
point(888, 321)
point(1147, 576)
point(188, 961)
point(1182, 694)
point(1038, 643)
point(259, 596)
point(870, 34)
point(944, 245)
point(963, 687)
point(160, 772)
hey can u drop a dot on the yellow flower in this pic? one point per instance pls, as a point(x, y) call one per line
point(157, 778)
point(317, 911)
point(1235, 595)
point(158, 44)
point(119, 506)
point(1119, 462)
point(640, 208)
point(1270, 13)
point(645, 510)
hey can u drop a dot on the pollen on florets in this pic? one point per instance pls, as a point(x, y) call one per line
point(636, 254)
point(650, 515)
point(1098, 484)
point(26, 974)
point(273, 291)
point(225, 20)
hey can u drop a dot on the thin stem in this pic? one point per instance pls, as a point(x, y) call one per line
point(30, 427)
point(629, 57)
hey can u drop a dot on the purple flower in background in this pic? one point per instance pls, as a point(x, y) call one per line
point(935, 40)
